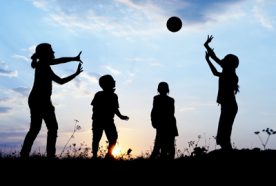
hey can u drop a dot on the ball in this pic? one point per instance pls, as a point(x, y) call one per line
point(174, 24)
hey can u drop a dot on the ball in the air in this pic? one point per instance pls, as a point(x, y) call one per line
point(174, 24)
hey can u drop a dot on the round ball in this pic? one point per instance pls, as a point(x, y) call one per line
point(174, 24)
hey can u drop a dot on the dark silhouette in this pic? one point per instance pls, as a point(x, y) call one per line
point(105, 106)
point(163, 120)
point(227, 90)
point(39, 101)
point(174, 24)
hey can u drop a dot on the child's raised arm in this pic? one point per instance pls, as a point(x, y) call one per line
point(212, 67)
point(210, 50)
point(66, 59)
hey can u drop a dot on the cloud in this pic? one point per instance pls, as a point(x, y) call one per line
point(92, 78)
point(195, 12)
point(125, 18)
point(22, 58)
point(22, 91)
point(41, 4)
point(12, 102)
point(261, 16)
point(112, 70)
point(8, 73)
point(4, 71)
point(80, 87)
point(11, 139)
point(4, 110)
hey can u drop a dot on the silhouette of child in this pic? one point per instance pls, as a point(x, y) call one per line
point(227, 90)
point(105, 106)
point(39, 101)
point(163, 120)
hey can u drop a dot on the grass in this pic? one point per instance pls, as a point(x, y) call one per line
point(198, 168)
point(194, 162)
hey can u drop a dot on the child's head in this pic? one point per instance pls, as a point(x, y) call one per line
point(43, 51)
point(107, 82)
point(163, 88)
point(231, 61)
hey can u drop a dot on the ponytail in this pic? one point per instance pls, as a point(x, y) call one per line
point(34, 60)
point(41, 52)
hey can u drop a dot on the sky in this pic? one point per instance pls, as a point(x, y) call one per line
point(129, 40)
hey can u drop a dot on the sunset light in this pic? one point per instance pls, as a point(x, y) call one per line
point(116, 151)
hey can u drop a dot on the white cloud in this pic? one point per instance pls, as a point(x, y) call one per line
point(129, 18)
point(92, 79)
point(12, 104)
point(261, 16)
point(5, 72)
point(41, 4)
point(23, 91)
point(112, 70)
point(20, 57)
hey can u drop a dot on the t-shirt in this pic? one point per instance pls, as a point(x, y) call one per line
point(104, 105)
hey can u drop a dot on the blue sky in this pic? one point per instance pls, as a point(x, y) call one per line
point(129, 40)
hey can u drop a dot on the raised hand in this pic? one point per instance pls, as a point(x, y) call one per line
point(78, 57)
point(79, 70)
point(209, 39)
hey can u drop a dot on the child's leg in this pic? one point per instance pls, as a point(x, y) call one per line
point(35, 126)
point(112, 136)
point(97, 135)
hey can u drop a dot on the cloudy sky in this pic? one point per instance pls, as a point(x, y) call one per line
point(129, 40)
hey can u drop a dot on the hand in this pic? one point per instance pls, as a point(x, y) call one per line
point(125, 118)
point(79, 70)
point(78, 57)
point(209, 39)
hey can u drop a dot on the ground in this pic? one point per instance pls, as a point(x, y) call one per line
point(242, 164)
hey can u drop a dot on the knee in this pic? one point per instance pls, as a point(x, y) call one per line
point(34, 130)
point(52, 132)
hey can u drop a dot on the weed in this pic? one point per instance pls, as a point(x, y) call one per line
point(269, 132)
point(76, 128)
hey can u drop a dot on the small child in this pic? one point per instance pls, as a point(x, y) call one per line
point(163, 120)
point(105, 106)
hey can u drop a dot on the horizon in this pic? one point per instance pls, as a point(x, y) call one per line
point(129, 40)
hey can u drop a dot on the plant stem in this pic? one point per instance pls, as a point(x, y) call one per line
point(261, 141)
point(267, 140)
point(69, 138)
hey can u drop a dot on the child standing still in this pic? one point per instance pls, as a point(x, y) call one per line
point(105, 105)
point(163, 120)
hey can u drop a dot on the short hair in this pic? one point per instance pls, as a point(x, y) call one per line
point(106, 82)
point(163, 87)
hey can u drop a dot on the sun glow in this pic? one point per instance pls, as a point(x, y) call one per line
point(116, 151)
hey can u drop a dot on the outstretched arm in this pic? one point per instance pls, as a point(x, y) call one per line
point(118, 113)
point(68, 78)
point(211, 50)
point(212, 67)
point(66, 59)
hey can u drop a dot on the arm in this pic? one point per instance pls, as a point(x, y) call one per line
point(61, 81)
point(212, 67)
point(118, 113)
point(153, 115)
point(66, 59)
point(210, 50)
